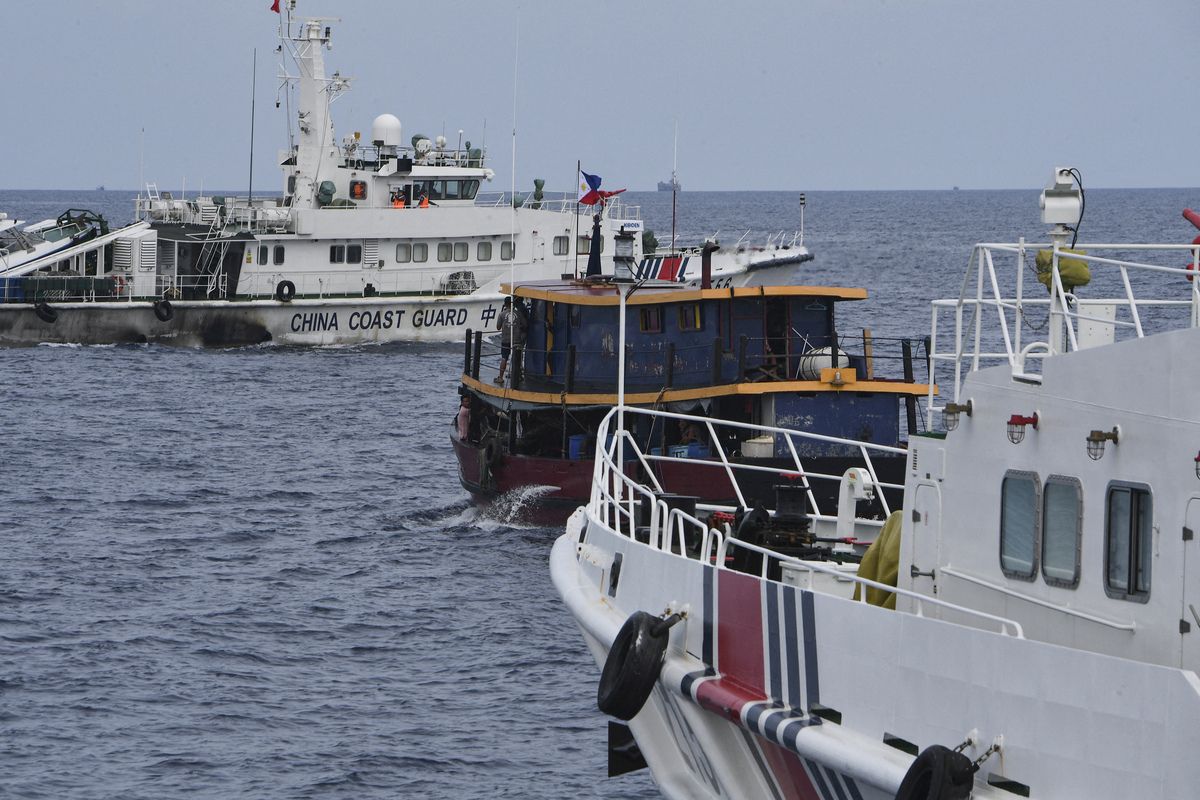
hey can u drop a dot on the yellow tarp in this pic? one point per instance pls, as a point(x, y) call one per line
point(881, 563)
point(1074, 271)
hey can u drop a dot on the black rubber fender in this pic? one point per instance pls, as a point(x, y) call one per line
point(45, 312)
point(632, 667)
point(163, 310)
point(938, 773)
point(285, 291)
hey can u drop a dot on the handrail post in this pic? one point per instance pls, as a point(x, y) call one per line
point(467, 353)
point(478, 349)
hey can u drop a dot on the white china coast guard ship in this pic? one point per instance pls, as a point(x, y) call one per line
point(1027, 626)
point(371, 241)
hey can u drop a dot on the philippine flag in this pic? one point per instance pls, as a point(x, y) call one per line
point(590, 192)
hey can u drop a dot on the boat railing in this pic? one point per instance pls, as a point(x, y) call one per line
point(618, 499)
point(1056, 315)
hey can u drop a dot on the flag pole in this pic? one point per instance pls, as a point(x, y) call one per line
point(578, 172)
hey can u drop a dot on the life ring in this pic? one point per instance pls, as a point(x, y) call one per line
point(164, 310)
point(938, 773)
point(285, 291)
point(632, 666)
point(45, 312)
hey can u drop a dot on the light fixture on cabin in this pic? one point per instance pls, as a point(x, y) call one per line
point(952, 412)
point(1096, 440)
point(1016, 426)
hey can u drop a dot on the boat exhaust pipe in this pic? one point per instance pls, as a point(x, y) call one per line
point(706, 252)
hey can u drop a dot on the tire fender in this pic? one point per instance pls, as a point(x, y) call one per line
point(163, 310)
point(285, 291)
point(938, 773)
point(45, 312)
point(633, 664)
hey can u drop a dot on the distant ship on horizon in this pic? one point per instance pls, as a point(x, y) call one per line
point(669, 186)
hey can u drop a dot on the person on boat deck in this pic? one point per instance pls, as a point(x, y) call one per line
point(512, 325)
point(463, 420)
point(397, 200)
point(690, 432)
point(424, 202)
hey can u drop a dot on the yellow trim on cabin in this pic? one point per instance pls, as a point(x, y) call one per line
point(596, 295)
point(674, 395)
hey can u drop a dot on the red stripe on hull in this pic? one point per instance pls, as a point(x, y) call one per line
point(789, 773)
point(740, 630)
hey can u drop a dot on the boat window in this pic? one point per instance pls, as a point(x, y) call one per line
point(506, 251)
point(561, 245)
point(278, 254)
point(358, 190)
point(483, 252)
point(437, 190)
point(1128, 539)
point(690, 318)
point(1019, 509)
point(1062, 517)
point(650, 320)
point(585, 245)
point(354, 254)
point(460, 251)
point(420, 252)
point(469, 189)
point(337, 253)
point(262, 254)
point(451, 192)
point(403, 253)
point(445, 250)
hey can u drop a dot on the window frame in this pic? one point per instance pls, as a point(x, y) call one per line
point(1034, 567)
point(1145, 499)
point(650, 319)
point(1053, 580)
point(462, 251)
point(692, 313)
point(509, 246)
point(408, 253)
point(562, 245)
point(354, 253)
point(483, 251)
point(337, 254)
point(445, 252)
point(420, 252)
point(278, 255)
point(263, 253)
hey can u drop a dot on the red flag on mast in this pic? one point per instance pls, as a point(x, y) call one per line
point(275, 6)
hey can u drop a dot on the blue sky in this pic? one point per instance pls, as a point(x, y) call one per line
point(796, 95)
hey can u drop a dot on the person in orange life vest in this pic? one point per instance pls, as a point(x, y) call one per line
point(424, 200)
point(397, 200)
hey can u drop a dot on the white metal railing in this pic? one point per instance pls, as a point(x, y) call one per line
point(616, 496)
point(1067, 320)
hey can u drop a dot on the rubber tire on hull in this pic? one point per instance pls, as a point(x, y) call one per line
point(45, 313)
point(632, 666)
point(285, 291)
point(163, 310)
point(938, 773)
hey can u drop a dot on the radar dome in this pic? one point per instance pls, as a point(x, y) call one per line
point(385, 131)
point(440, 141)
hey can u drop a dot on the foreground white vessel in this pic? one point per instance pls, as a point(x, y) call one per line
point(1040, 632)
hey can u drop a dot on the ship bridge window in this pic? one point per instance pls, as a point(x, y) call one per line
point(470, 189)
point(483, 252)
point(354, 254)
point(1128, 540)
point(690, 318)
point(420, 252)
point(561, 245)
point(337, 254)
point(403, 253)
point(278, 254)
point(506, 251)
point(460, 251)
point(650, 320)
point(1019, 518)
point(1062, 530)
point(585, 245)
point(445, 250)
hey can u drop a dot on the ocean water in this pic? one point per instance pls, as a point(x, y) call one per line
point(252, 572)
